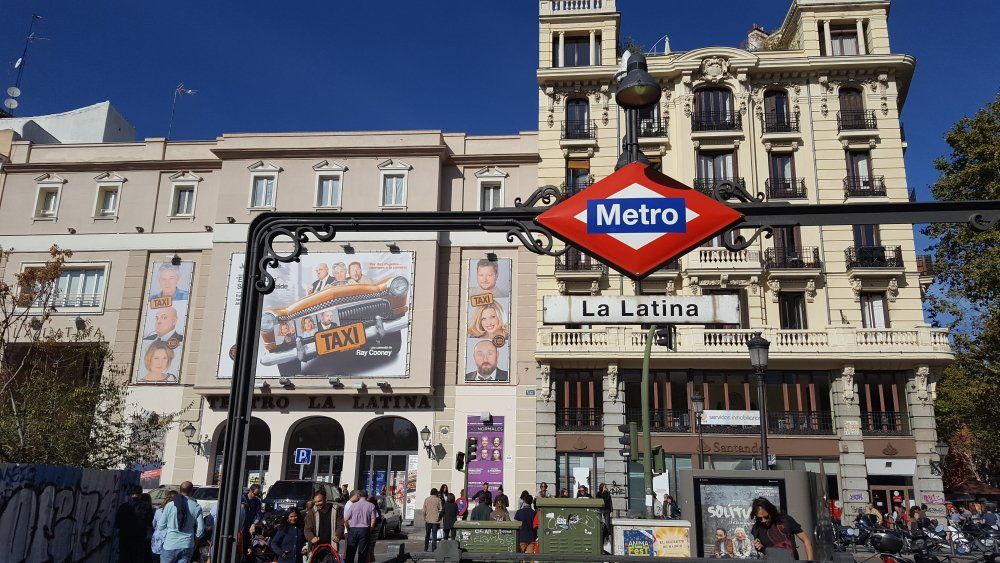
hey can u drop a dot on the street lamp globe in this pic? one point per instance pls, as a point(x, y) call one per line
point(942, 449)
point(758, 346)
point(698, 402)
point(189, 431)
point(425, 435)
point(637, 89)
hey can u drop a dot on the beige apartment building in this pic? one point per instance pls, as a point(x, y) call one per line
point(807, 114)
point(158, 230)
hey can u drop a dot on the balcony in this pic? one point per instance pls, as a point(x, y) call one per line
point(580, 420)
point(804, 258)
point(856, 120)
point(785, 188)
point(874, 257)
point(925, 265)
point(575, 187)
point(579, 130)
point(711, 259)
point(775, 122)
point(884, 424)
point(652, 128)
point(860, 186)
point(695, 343)
point(663, 420)
point(557, 7)
point(795, 423)
point(578, 273)
point(707, 185)
point(714, 121)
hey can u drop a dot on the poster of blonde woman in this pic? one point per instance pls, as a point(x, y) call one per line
point(161, 344)
point(488, 329)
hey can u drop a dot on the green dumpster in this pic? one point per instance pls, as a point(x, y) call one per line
point(570, 526)
point(487, 536)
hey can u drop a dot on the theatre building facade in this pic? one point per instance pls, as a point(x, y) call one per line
point(367, 342)
point(808, 114)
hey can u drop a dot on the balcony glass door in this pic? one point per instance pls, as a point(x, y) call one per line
point(715, 166)
point(577, 119)
point(874, 313)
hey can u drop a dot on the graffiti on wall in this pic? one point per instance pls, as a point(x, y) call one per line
point(59, 514)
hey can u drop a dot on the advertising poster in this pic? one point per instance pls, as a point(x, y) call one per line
point(487, 346)
point(488, 466)
point(658, 541)
point(725, 504)
point(411, 487)
point(330, 314)
point(162, 338)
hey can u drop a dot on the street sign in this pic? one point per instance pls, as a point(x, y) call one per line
point(637, 219)
point(303, 456)
point(644, 309)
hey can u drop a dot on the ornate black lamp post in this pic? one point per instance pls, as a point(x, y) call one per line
point(758, 346)
point(698, 402)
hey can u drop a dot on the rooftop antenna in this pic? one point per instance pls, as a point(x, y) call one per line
point(666, 46)
point(177, 92)
point(14, 91)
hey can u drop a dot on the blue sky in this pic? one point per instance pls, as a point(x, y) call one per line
point(440, 64)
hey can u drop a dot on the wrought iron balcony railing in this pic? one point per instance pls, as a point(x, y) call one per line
point(716, 121)
point(874, 257)
point(663, 420)
point(579, 419)
point(785, 188)
point(800, 423)
point(576, 261)
point(864, 186)
point(775, 122)
point(577, 186)
point(884, 424)
point(806, 257)
point(706, 185)
point(584, 129)
point(856, 120)
point(652, 127)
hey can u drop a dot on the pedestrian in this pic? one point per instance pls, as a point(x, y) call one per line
point(443, 492)
point(373, 500)
point(501, 496)
point(433, 508)
point(543, 490)
point(604, 494)
point(361, 518)
point(463, 505)
point(345, 493)
point(323, 522)
point(582, 492)
point(500, 513)
point(205, 545)
point(482, 510)
point(253, 515)
point(183, 522)
point(669, 510)
point(722, 546)
point(132, 526)
point(156, 545)
point(487, 494)
point(449, 516)
point(525, 515)
point(288, 541)
point(564, 493)
point(773, 530)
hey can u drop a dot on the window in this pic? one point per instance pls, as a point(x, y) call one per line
point(79, 287)
point(792, 310)
point(393, 190)
point(491, 196)
point(107, 201)
point(713, 111)
point(874, 311)
point(787, 239)
point(263, 191)
point(866, 236)
point(328, 189)
point(781, 166)
point(577, 175)
point(578, 119)
point(48, 202)
point(183, 201)
point(844, 40)
point(713, 166)
point(576, 51)
point(744, 308)
point(776, 115)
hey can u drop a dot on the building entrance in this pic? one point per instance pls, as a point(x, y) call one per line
point(258, 455)
point(325, 437)
point(388, 451)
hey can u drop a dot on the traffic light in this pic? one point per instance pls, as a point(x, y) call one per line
point(470, 450)
point(665, 337)
point(659, 461)
point(460, 461)
point(630, 440)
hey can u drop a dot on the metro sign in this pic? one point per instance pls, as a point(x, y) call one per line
point(638, 219)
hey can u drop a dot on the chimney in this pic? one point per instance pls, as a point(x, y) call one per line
point(756, 37)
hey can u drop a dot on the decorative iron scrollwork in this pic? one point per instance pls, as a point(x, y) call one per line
point(726, 190)
point(546, 195)
point(298, 237)
point(533, 236)
point(980, 223)
point(737, 242)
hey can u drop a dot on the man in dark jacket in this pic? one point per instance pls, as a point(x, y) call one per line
point(133, 520)
point(324, 523)
point(526, 516)
point(482, 509)
point(449, 516)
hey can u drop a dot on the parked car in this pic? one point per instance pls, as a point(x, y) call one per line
point(207, 498)
point(160, 493)
point(392, 517)
point(294, 493)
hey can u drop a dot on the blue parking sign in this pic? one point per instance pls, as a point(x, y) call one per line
point(303, 456)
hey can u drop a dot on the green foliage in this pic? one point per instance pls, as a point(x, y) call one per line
point(967, 265)
point(62, 399)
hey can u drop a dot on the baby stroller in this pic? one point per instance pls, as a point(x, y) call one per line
point(325, 553)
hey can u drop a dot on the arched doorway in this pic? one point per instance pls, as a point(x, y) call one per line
point(258, 453)
point(325, 437)
point(384, 453)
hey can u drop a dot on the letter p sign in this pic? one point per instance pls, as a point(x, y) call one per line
point(303, 456)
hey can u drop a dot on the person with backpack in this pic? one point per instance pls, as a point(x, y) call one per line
point(449, 516)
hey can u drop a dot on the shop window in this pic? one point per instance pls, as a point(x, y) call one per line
point(575, 469)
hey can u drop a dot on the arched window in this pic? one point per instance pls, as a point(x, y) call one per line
point(777, 117)
point(384, 452)
point(578, 119)
point(713, 110)
point(325, 437)
point(258, 453)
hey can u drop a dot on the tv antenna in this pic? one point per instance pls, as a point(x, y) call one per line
point(14, 91)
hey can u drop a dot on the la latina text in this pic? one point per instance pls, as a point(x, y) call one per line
point(653, 308)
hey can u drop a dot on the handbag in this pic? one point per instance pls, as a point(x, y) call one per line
point(440, 534)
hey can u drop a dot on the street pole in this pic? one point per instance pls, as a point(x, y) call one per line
point(647, 437)
point(701, 443)
point(763, 418)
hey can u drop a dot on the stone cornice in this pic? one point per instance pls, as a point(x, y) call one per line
point(493, 159)
point(162, 165)
point(439, 151)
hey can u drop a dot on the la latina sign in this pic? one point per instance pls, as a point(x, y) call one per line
point(645, 309)
point(636, 220)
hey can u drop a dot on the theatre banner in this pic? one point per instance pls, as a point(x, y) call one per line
point(330, 314)
point(725, 504)
point(161, 344)
point(488, 465)
point(488, 332)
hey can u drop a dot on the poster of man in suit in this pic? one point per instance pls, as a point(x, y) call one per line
point(488, 332)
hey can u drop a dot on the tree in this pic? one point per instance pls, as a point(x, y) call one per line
point(64, 400)
point(967, 265)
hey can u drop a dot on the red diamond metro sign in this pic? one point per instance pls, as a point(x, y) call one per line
point(637, 219)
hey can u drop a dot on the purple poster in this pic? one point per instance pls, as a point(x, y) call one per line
point(488, 466)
